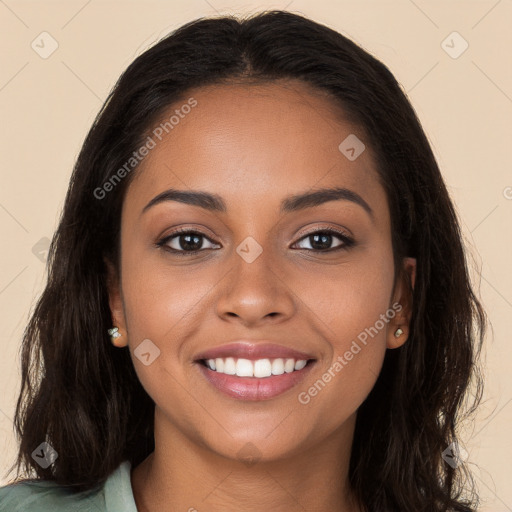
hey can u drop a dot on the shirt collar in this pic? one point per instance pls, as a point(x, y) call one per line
point(118, 490)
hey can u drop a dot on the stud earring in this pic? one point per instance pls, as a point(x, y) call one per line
point(398, 333)
point(114, 333)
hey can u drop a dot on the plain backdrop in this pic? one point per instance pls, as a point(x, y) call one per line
point(460, 85)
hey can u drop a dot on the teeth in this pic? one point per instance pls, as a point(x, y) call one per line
point(260, 368)
point(244, 368)
point(229, 366)
point(277, 367)
point(289, 366)
point(300, 364)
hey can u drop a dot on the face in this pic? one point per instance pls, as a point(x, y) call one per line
point(312, 276)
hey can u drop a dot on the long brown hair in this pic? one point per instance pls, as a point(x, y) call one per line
point(82, 395)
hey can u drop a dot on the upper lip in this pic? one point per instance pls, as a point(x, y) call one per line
point(252, 350)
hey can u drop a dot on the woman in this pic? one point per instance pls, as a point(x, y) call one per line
point(257, 293)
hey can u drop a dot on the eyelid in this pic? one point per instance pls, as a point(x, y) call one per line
point(189, 229)
point(327, 227)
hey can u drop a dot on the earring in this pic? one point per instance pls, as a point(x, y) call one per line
point(398, 333)
point(114, 333)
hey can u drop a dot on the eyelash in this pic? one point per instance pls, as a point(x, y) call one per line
point(348, 242)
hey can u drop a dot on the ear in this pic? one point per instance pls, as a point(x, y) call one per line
point(402, 305)
point(116, 304)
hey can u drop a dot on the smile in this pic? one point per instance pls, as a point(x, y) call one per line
point(260, 379)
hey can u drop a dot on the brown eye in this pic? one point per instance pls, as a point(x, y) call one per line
point(320, 241)
point(185, 241)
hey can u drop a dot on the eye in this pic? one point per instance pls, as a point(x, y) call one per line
point(320, 240)
point(184, 242)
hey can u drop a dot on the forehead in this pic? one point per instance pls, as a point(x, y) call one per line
point(253, 142)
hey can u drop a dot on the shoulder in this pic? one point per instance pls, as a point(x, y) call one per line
point(43, 496)
point(47, 496)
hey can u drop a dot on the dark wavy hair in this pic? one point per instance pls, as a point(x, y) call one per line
point(82, 395)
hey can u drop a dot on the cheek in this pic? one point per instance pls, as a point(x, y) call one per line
point(360, 313)
point(164, 307)
point(349, 299)
point(351, 308)
point(160, 295)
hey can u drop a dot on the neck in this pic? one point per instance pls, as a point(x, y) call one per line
point(183, 475)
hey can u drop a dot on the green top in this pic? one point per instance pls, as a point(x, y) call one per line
point(115, 495)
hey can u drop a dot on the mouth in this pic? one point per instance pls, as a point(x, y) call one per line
point(260, 379)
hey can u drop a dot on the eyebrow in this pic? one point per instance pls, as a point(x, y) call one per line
point(293, 203)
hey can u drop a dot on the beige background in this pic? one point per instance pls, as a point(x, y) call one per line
point(464, 103)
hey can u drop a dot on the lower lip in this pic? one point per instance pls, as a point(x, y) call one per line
point(253, 388)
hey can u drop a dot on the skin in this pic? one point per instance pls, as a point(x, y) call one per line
point(254, 145)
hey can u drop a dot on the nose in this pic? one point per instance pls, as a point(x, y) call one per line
point(255, 292)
